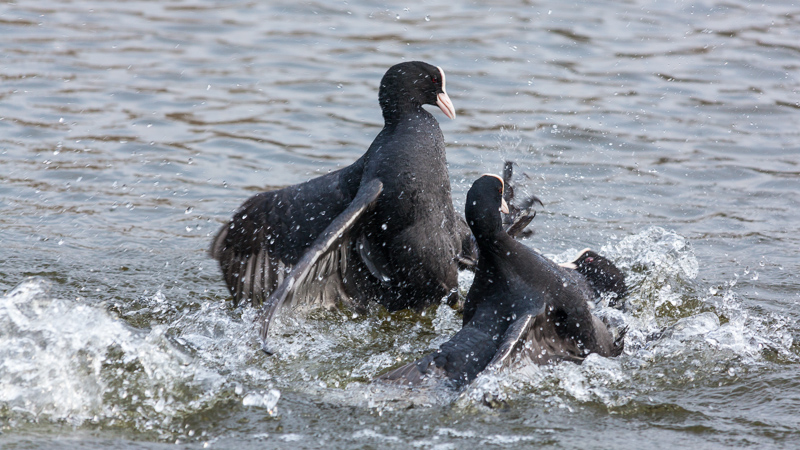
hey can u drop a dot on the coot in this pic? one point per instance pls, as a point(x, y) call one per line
point(519, 301)
point(382, 229)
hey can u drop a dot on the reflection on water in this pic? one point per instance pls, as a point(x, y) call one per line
point(662, 134)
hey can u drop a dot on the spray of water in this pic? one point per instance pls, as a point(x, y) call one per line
point(67, 361)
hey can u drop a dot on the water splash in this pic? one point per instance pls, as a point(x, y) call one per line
point(267, 400)
point(178, 362)
point(67, 361)
point(676, 334)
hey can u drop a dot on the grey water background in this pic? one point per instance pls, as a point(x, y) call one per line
point(663, 133)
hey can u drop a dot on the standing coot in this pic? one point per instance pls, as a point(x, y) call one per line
point(519, 301)
point(381, 229)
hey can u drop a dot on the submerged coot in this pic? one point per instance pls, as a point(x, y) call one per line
point(519, 301)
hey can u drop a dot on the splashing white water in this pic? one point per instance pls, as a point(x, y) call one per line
point(73, 362)
point(67, 361)
point(670, 329)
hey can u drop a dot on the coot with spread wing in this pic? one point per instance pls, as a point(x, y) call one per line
point(519, 301)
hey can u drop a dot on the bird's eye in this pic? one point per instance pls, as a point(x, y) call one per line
point(434, 79)
point(589, 260)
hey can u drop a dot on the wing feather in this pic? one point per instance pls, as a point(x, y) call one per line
point(335, 238)
point(272, 230)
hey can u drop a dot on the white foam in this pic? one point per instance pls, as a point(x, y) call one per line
point(670, 329)
point(267, 400)
point(64, 360)
point(68, 360)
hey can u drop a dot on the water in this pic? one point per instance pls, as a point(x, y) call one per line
point(664, 134)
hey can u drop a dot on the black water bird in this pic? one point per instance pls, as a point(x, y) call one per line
point(382, 229)
point(520, 303)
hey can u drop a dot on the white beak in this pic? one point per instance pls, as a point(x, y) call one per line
point(443, 100)
point(503, 206)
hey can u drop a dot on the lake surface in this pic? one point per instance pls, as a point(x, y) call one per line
point(663, 134)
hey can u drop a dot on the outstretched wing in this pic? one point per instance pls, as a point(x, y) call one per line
point(272, 230)
point(512, 341)
point(335, 238)
point(520, 214)
point(458, 360)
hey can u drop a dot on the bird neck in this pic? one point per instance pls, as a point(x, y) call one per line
point(397, 109)
point(494, 245)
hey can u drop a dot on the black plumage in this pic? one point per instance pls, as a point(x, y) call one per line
point(519, 301)
point(382, 229)
point(604, 277)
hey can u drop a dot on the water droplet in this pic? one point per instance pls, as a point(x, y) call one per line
point(189, 210)
point(427, 18)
